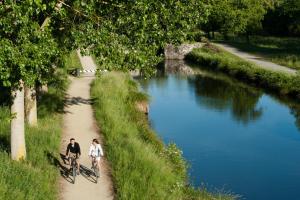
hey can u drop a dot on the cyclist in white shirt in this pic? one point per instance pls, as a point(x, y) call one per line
point(96, 152)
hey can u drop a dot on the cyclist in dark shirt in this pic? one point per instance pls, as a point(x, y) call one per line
point(73, 150)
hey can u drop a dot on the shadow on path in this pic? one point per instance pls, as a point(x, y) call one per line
point(88, 173)
point(77, 101)
point(64, 171)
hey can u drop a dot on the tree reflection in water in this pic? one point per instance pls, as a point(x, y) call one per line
point(220, 92)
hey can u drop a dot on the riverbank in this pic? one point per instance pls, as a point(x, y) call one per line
point(280, 50)
point(216, 58)
point(142, 166)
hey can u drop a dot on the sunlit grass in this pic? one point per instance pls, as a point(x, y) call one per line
point(142, 166)
point(283, 51)
point(36, 178)
point(243, 70)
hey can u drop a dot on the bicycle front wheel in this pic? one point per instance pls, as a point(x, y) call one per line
point(74, 173)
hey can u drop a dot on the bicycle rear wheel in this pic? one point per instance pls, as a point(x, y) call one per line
point(96, 172)
point(74, 172)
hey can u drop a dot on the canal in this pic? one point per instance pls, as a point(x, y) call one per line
point(236, 138)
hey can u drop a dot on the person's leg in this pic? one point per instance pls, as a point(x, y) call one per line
point(78, 164)
point(98, 163)
point(70, 162)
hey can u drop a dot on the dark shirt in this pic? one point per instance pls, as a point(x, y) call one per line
point(73, 149)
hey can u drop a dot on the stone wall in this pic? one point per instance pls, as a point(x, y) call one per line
point(173, 52)
point(177, 67)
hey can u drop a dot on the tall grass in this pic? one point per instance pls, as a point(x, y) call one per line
point(283, 51)
point(215, 58)
point(35, 178)
point(142, 166)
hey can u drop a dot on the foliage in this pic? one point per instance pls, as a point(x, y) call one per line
point(122, 34)
point(250, 17)
point(26, 53)
point(231, 16)
point(142, 167)
point(132, 34)
point(284, 20)
point(246, 71)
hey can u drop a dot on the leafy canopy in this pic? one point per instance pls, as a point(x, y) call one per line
point(236, 16)
point(26, 52)
point(122, 34)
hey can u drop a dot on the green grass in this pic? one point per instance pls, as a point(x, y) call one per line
point(142, 166)
point(283, 51)
point(236, 67)
point(36, 178)
point(72, 61)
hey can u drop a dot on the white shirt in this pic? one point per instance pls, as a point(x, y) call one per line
point(96, 150)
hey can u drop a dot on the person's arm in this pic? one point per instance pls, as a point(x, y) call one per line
point(90, 151)
point(79, 150)
point(101, 151)
point(67, 151)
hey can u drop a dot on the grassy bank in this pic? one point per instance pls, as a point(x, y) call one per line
point(35, 178)
point(215, 58)
point(283, 51)
point(142, 166)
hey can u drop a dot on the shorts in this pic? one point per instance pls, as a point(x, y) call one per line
point(74, 155)
point(97, 158)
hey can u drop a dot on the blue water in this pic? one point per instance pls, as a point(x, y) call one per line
point(235, 137)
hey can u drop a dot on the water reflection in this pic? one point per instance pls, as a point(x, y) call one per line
point(218, 91)
point(205, 112)
point(294, 106)
point(221, 94)
point(215, 91)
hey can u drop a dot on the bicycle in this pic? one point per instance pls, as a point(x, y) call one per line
point(95, 168)
point(73, 167)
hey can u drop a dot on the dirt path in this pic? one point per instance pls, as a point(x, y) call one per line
point(79, 123)
point(258, 60)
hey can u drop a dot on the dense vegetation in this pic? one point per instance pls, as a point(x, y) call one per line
point(219, 59)
point(283, 20)
point(36, 34)
point(35, 37)
point(22, 180)
point(142, 166)
point(251, 17)
point(35, 178)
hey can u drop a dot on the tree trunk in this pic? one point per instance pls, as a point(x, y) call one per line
point(18, 148)
point(30, 106)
